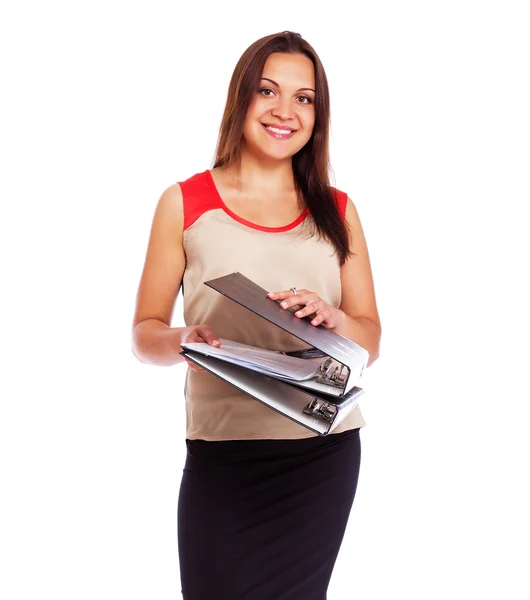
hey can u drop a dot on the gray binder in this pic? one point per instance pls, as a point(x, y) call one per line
point(343, 361)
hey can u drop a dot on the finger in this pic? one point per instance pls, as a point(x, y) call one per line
point(286, 294)
point(209, 336)
point(292, 300)
point(308, 310)
point(323, 318)
point(318, 319)
point(278, 296)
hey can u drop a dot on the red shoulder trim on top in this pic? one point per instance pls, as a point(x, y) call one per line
point(341, 199)
point(197, 198)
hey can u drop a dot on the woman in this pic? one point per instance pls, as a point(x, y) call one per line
point(263, 502)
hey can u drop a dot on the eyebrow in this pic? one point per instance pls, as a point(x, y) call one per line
point(299, 90)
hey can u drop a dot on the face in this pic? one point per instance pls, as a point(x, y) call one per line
point(281, 117)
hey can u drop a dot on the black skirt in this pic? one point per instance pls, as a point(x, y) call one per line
point(264, 519)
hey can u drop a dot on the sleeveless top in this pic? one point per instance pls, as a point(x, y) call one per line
point(217, 242)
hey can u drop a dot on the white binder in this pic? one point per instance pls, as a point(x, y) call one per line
point(319, 404)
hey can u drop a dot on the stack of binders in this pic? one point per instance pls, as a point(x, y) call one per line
point(317, 394)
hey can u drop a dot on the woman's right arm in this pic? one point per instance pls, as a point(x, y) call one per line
point(153, 340)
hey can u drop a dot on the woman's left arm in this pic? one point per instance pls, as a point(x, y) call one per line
point(357, 318)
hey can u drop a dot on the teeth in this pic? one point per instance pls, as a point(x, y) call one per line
point(280, 131)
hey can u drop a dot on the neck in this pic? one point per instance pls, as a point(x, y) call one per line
point(257, 174)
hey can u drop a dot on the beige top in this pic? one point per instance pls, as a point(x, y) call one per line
point(218, 242)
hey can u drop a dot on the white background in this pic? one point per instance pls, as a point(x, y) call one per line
point(105, 104)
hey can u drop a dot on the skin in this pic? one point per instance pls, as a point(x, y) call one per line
point(261, 191)
point(285, 98)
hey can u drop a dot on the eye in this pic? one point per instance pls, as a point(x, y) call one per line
point(307, 98)
point(265, 90)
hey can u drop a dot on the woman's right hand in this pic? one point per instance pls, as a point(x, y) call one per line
point(198, 333)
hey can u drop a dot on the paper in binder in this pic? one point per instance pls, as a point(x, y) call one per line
point(317, 393)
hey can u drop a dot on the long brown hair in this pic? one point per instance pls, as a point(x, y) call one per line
point(311, 164)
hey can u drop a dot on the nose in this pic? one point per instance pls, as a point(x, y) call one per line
point(283, 109)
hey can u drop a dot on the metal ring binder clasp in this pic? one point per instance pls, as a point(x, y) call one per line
point(293, 289)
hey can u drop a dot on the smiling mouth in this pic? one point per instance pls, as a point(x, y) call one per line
point(278, 132)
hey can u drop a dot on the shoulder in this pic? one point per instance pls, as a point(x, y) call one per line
point(195, 182)
point(197, 196)
point(341, 200)
point(169, 213)
point(348, 212)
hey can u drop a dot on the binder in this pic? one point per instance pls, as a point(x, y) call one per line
point(320, 405)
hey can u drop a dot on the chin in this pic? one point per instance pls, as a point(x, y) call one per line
point(269, 155)
point(275, 151)
point(270, 148)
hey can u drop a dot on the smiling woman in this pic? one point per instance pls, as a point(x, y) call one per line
point(279, 84)
point(284, 110)
point(263, 502)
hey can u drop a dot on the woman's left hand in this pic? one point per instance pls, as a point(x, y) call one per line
point(321, 312)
